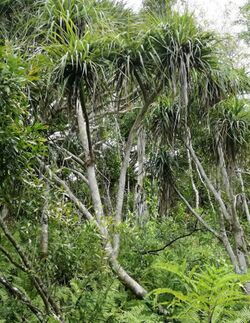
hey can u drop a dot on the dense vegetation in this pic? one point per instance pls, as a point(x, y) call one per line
point(124, 166)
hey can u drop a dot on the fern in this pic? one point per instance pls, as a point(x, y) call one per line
point(138, 314)
point(213, 294)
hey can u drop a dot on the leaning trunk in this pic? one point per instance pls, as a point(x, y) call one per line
point(237, 230)
point(84, 135)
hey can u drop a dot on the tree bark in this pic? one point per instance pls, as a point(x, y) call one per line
point(122, 275)
point(188, 142)
point(239, 257)
point(243, 194)
point(123, 173)
point(208, 192)
point(44, 241)
point(48, 301)
point(140, 198)
point(196, 192)
point(228, 213)
point(147, 100)
point(237, 230)
point(198, 217)
point(84, 136)
point(17, 293)
point(227, 244)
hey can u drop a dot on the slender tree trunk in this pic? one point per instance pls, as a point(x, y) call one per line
point(140, 199)
point(90, 166)
point(226, 213)
point(123, 173)
point(225, 179)
point(227, 244)
point(45, 227)
point(165, 197)
point(208, 192)
point(198, 217)
point(203, 174)
point(197, 197)
point(122, 275)
point(239, 257)
point(238, 260)
point(237, 230)
point(243, 194)
point(18, 294)
point(49, 303)
point(147, 100)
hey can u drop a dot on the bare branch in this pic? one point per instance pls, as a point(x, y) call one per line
point(77, 173)
point(47, 299)
point(198, 217)
point(197, 198)
point(243, 194)
point(171, 242)
point(9, 257)
point(187, 140)
point(76, 158)
point(17, 293)
point(123, 172)
point(71, 195)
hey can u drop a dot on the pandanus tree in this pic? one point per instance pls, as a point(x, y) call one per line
point(228, 133)
point(228, 137)
point(198, 78)
point(163, 123)
point(92, 65)
point(83, 64)
point(99, 63)
point(183, 52)
point(231, 134)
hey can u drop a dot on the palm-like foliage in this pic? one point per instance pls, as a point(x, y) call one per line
point(102, 56)
point(19, 22)
point(77, 57)
point(161, 166)
point(230, 126)
point(217, 84)
point(158, 7)
point(87, 42)
point(165, 121)
point(180, 47)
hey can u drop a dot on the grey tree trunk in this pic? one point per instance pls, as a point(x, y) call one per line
point(49, 302)
point(205, 177)
point(140, 198)
point(208, 192)
point(122, 275)
point(196, 192)
point(237, 230)
point(243, 195)
point(44, 241)
point(228, 211)
point(18, 294)
point(123, 173)
point(239, 255)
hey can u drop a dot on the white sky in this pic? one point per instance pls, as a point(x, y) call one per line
point(219, 14)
